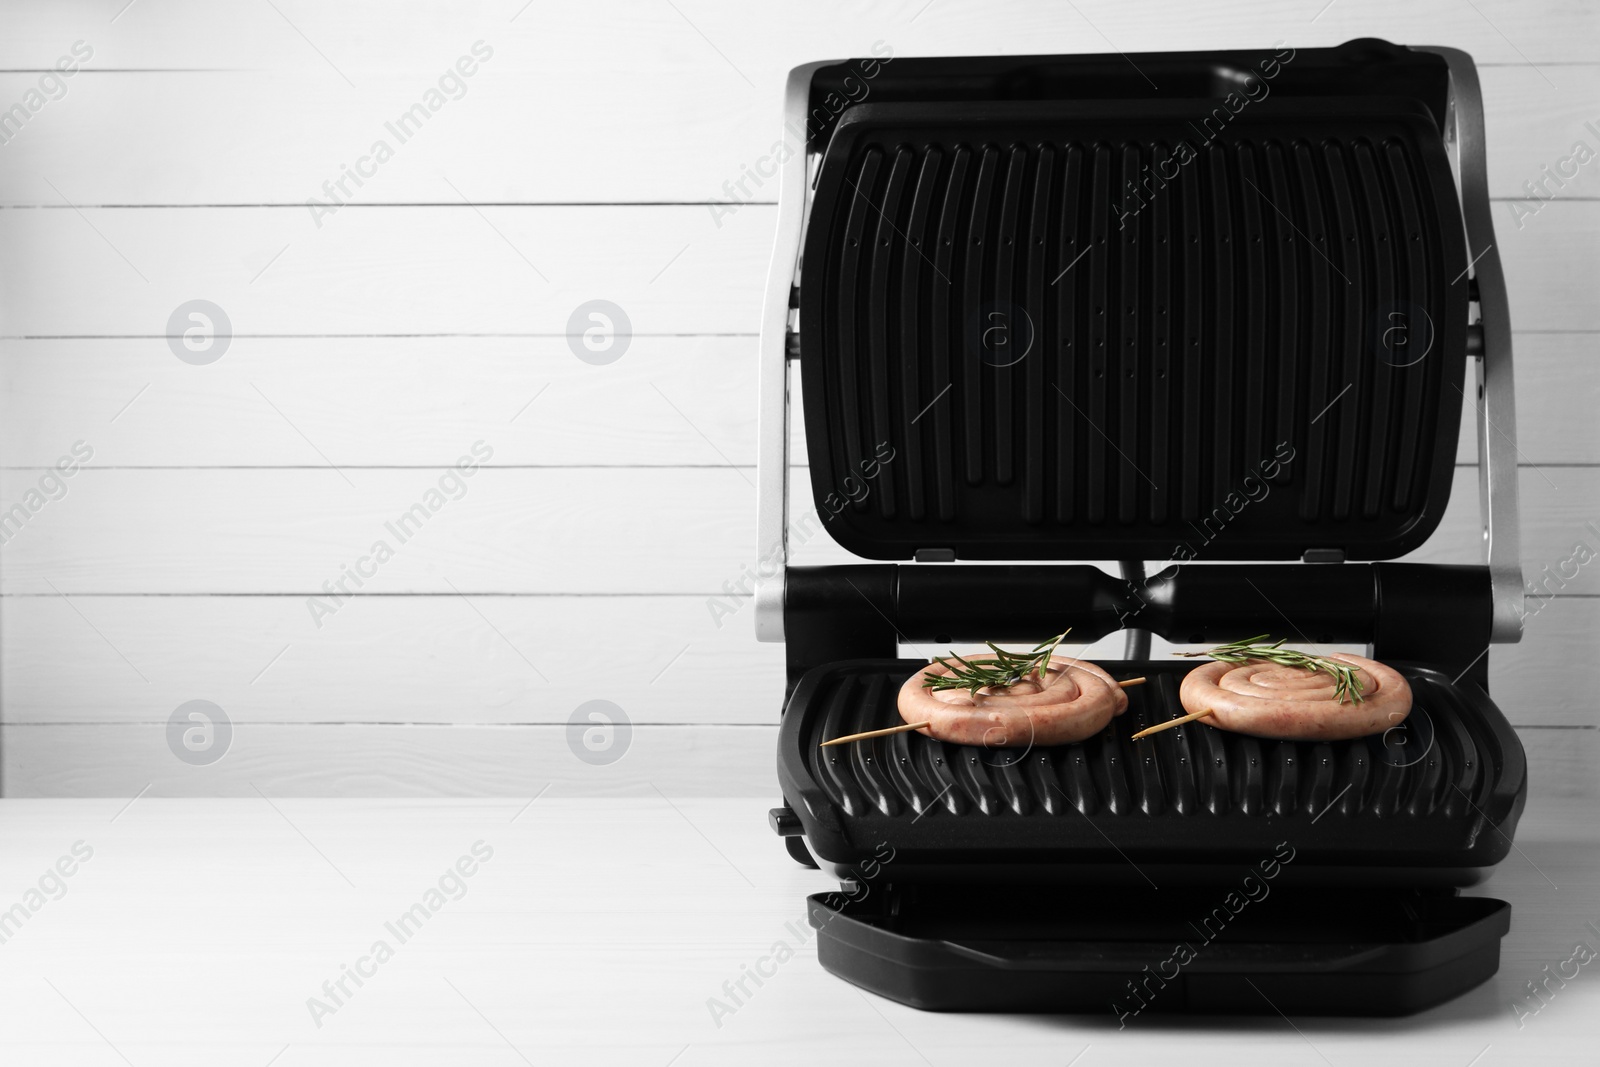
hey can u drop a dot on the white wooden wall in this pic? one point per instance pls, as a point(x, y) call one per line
point(375, 345)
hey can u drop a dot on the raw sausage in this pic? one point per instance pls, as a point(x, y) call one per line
point(1076, 701)
point(1294, 704)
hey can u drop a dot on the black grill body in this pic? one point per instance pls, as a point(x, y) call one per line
point(1047, 311)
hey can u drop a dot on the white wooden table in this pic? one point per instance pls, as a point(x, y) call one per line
point(595, 934)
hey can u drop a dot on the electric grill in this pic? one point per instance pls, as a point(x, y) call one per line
point(1204, 308)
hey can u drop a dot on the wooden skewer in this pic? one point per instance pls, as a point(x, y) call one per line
point(876, 733)
point(1169, 724)
point(904, 727)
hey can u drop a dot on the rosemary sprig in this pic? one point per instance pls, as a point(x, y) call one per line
point(998, 671)
point(1346, 683)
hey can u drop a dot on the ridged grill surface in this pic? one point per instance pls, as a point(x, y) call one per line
point(1434, 771)
point(1178, 332)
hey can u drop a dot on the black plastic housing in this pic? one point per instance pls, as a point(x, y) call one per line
point(1431, 613)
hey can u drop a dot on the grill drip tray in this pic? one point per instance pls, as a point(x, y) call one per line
point(1252, 949)
point(1433, 802)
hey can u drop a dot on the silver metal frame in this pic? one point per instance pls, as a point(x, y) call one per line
point(772, 427)
point(1496, 402)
